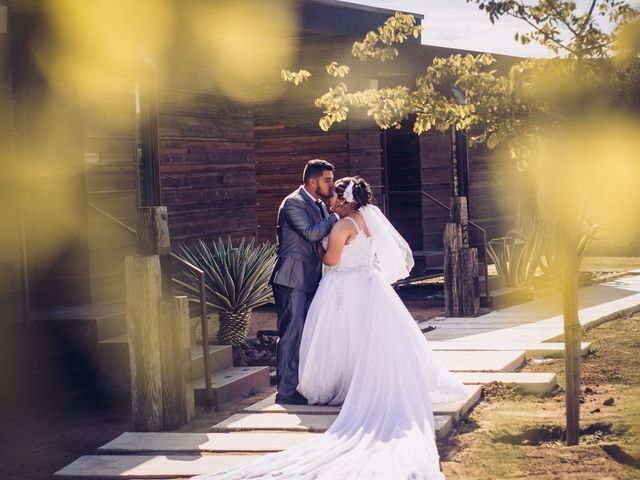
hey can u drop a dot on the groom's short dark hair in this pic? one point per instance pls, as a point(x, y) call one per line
point(314, 168)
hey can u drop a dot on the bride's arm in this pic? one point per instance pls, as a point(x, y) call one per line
point(337, 240)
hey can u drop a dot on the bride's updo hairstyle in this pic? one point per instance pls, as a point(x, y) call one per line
point(361, 190)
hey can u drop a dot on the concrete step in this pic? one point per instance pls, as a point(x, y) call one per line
point(103, 321)
point(220, 356)
point(527, 382)
point(290, 422)
point(456, 409)
point(481, 361)
point(231, 384)
point(430, 258)
point(203, 443)
point(531, 349)
point(148, 466)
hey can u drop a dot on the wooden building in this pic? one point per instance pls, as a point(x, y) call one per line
point(221, 167)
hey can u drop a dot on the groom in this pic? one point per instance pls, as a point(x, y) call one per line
point(303, 221)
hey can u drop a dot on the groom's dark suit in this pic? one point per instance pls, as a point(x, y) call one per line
point(295, 278)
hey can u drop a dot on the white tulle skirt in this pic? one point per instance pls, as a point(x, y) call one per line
point(362, 348)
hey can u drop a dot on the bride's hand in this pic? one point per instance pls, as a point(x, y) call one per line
point(344, 209)
point(333, 201)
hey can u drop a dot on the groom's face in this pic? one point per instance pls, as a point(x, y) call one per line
point(324, 184)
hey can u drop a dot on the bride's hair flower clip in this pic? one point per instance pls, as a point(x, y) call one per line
point(348, 192)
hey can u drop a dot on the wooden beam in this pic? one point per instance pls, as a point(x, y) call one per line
point(142, 279)
point(175, 347)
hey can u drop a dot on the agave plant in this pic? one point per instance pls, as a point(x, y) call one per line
point(588, 233)
point(518, 253)
point(237, 281)
point(517, 256)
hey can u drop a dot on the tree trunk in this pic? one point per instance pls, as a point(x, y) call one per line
point(572, 329)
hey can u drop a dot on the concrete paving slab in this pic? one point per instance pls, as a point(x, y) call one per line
point(149, 466)
point(555, 349)
point(203, 443)
point(489, 322)
point(457, 409)
point(444, 425)
point(269, 405)
point(528, 382)
point(507, 335)
point(275, 422)
point(500, 361)
point(492, 325)
point(288, 422)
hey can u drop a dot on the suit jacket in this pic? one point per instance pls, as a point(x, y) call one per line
point(300, 228)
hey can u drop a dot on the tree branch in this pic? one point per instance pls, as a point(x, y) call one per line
point(545, 34)
point(584, 25)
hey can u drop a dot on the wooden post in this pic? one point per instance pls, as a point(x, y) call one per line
point(153, 231)
point(459, 213)
point(153, 239)
point(462, 283)
point(452, 269)
point(159, 333)
point(175, 348)
point(142, 278)
point(470, 283)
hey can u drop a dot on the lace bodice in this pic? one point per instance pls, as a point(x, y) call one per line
point(358, 254)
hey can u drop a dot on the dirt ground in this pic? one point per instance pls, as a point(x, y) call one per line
point(513, 436)
point(609, 264)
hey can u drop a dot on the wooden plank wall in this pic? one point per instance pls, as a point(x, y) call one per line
point(110, 153)
point(436, 178)
point(493, 192)
point(287, 135)
point(11, 292)
point(282, 153)
point(207, 165)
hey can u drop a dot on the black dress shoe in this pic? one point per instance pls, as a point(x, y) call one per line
point(292, 400)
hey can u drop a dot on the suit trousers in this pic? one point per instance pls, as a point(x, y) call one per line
point(291, 307)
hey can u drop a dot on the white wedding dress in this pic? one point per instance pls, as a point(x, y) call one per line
point(362, 349)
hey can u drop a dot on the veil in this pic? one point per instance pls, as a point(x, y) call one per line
point(392, 251)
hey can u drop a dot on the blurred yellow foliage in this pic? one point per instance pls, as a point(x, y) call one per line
point(243, 43)
point(99, 48)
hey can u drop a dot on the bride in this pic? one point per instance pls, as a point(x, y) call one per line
point(362, 349)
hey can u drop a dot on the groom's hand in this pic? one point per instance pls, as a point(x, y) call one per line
point(345, 209)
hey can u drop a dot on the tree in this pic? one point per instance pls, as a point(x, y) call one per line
point(542, 112)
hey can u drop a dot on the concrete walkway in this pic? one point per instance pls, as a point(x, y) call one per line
point(540, 320)
point(479, 350)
